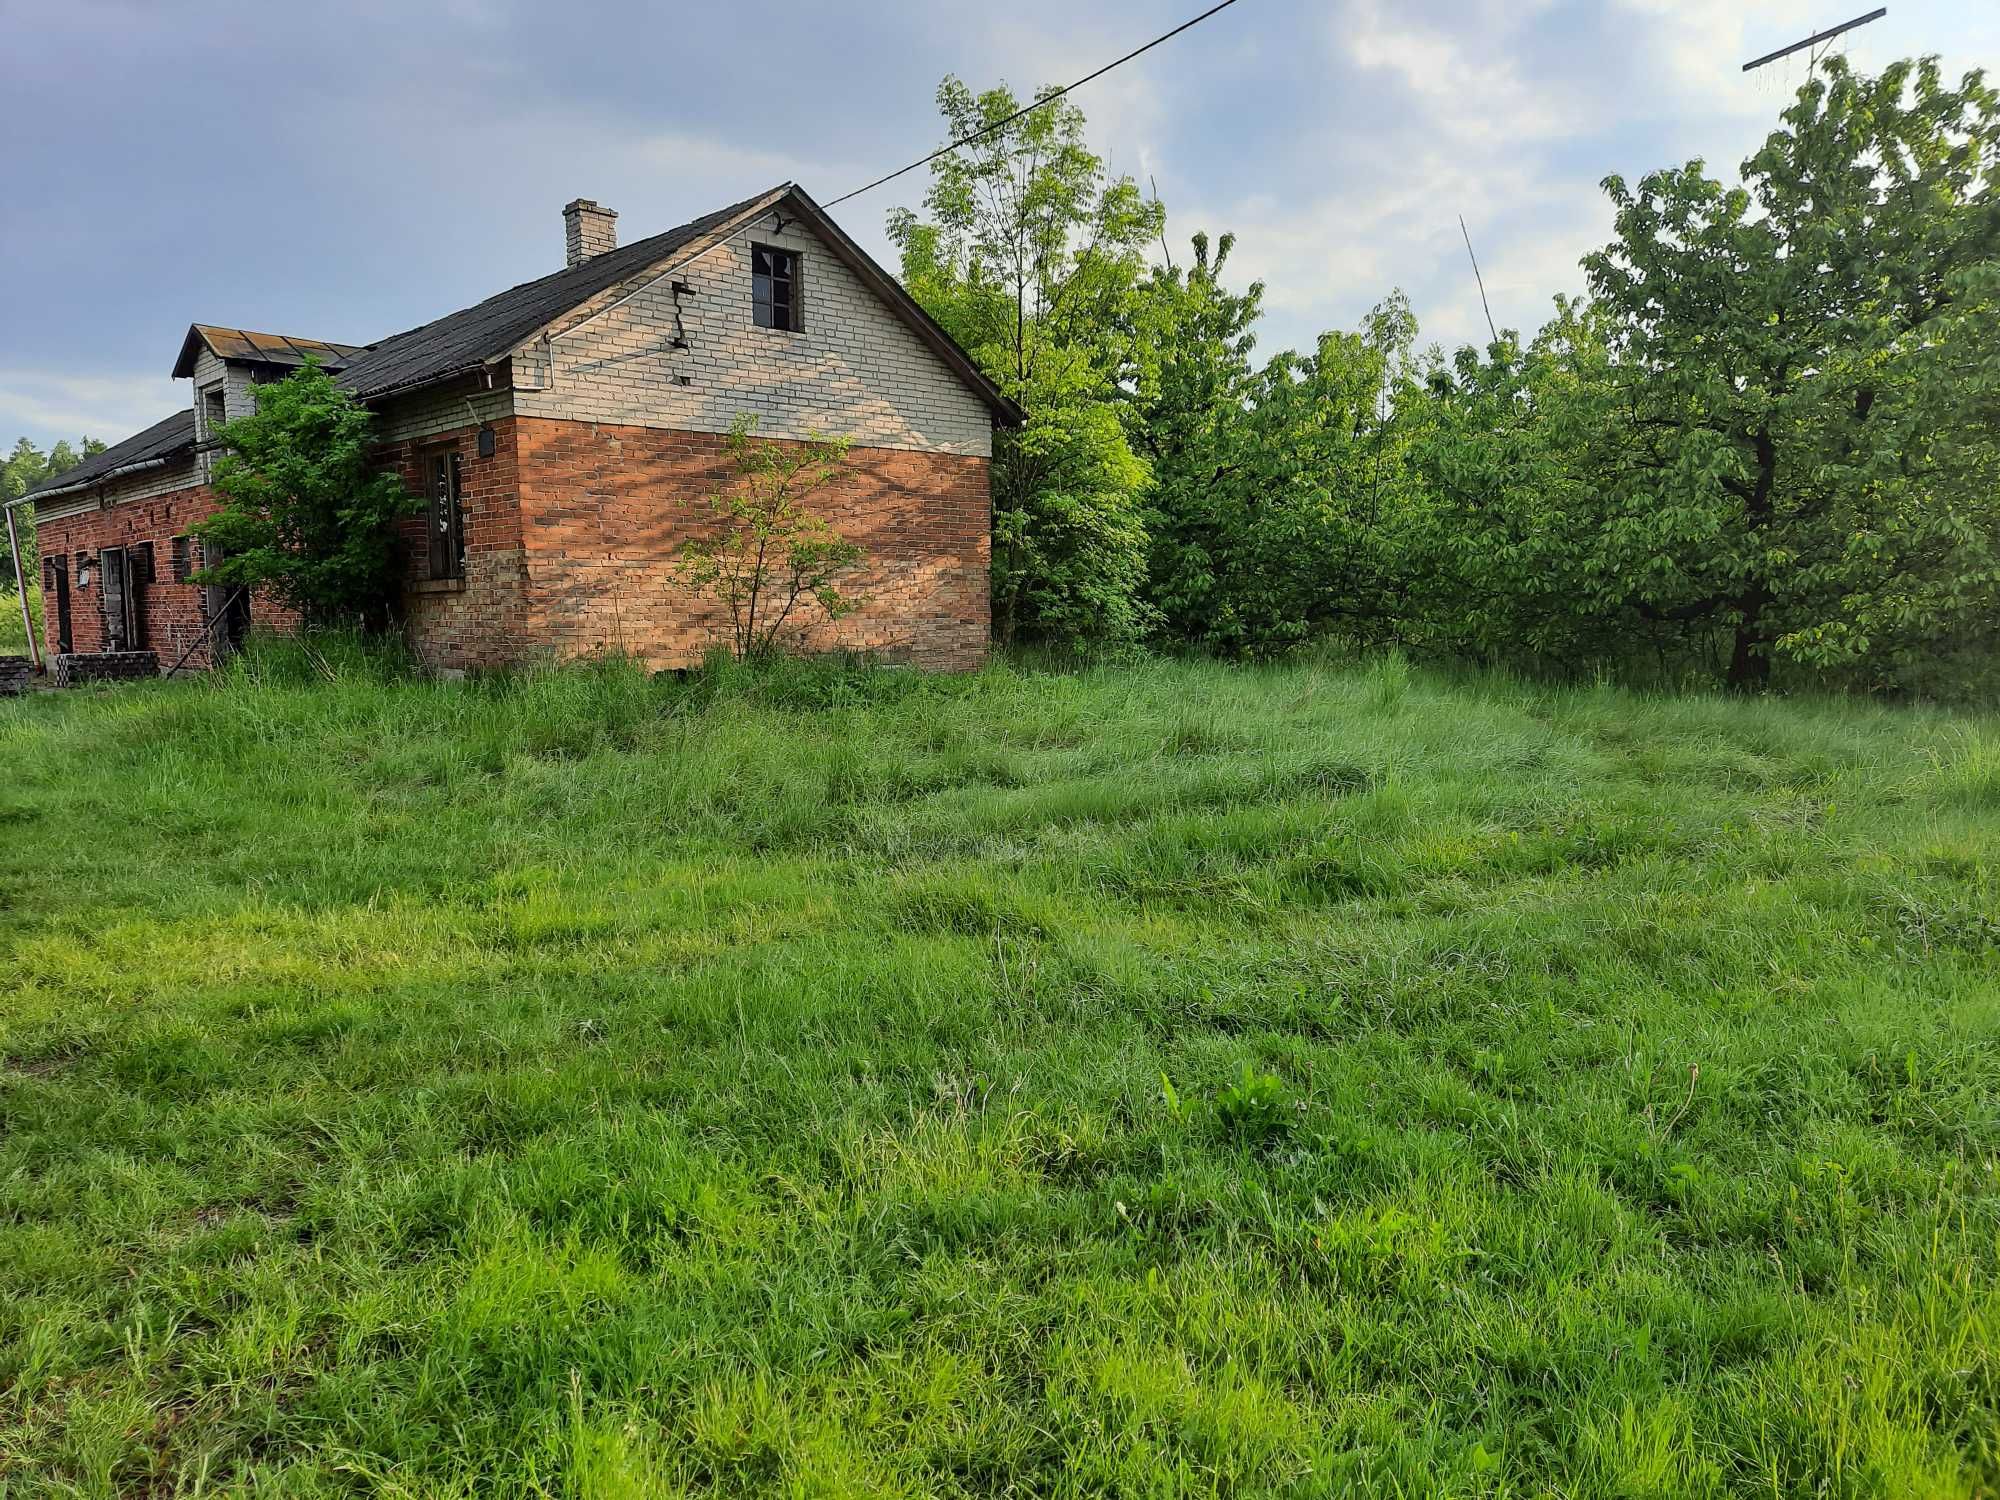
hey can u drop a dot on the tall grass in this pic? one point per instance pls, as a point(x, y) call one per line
point(13, 639)
point(1155, 1079)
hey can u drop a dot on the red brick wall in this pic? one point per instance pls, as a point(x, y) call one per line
point(480, 620)
point(171, 613)
point(604, 509)
point(571, 532)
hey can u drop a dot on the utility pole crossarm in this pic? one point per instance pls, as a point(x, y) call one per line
point(1817, 37)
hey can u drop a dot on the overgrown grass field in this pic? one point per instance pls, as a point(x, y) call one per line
point(1159, 1080)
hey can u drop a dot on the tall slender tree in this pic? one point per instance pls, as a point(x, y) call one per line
point(1027, 251)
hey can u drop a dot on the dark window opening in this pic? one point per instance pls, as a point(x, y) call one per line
point(774, 288)
point(213, 412)
point(447, 515)
point(121, 596)
point(57, 570)
point(229, 602)
point(183, 562)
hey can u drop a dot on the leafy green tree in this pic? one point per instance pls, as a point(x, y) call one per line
point(1503, 553)
point(1801, 452)
point(1317, 510)
point(1188, 385)
point(23, 468)
point(773, 559)
point(305, 512)
point(1278, 493)
point(1069, 539)
point(1028, 252)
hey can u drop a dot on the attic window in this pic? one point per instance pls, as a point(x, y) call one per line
point(213, 412)
point(774, 288)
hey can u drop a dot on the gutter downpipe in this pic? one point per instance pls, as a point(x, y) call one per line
point(21, 591)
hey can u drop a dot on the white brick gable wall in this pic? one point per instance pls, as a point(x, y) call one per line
point(855, 369)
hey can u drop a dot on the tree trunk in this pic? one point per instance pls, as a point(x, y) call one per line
point(1749, 660)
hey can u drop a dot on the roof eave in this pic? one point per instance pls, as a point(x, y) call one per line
point(95, 480)
point(191, 348)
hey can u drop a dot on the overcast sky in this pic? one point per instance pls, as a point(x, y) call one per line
point(344, 171)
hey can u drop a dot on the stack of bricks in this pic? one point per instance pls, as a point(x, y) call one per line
point(73, 668)
point(15, 672)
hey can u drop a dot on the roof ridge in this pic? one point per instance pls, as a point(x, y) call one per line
point(586, 279)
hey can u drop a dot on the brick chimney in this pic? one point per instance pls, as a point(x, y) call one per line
point(587, 230)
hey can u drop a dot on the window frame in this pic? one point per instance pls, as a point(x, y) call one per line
point(120, 602)
point(764, 285)
point(444, 521)
point(214, 409)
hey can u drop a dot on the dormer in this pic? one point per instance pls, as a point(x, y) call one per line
point(224, 363)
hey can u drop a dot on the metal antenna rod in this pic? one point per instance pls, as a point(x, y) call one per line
point(1817, 37)
point(1478, 278)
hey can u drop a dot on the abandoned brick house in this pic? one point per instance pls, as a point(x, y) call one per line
point(564, 436)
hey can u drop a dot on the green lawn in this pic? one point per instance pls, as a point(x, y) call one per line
point(837, 1085)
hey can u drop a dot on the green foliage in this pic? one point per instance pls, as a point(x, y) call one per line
point(578, 1078)
point(23, 468)
point(1069, 539)
point(305, 512)
point(316, 657)
point(1501, 550)
point(773, 556)
point(1769, 440)
point(1188, 385)
point(1766, 449)
point(1785, 459)
point(1256, 1109)
point(1028, 254)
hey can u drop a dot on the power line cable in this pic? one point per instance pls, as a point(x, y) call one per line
point(1030, 109)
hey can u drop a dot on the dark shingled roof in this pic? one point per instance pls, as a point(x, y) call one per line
point(466, 340)
point(260, 349)
point(162, 440)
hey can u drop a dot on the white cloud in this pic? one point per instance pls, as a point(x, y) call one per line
point(1468, 83)
point(46, 405)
